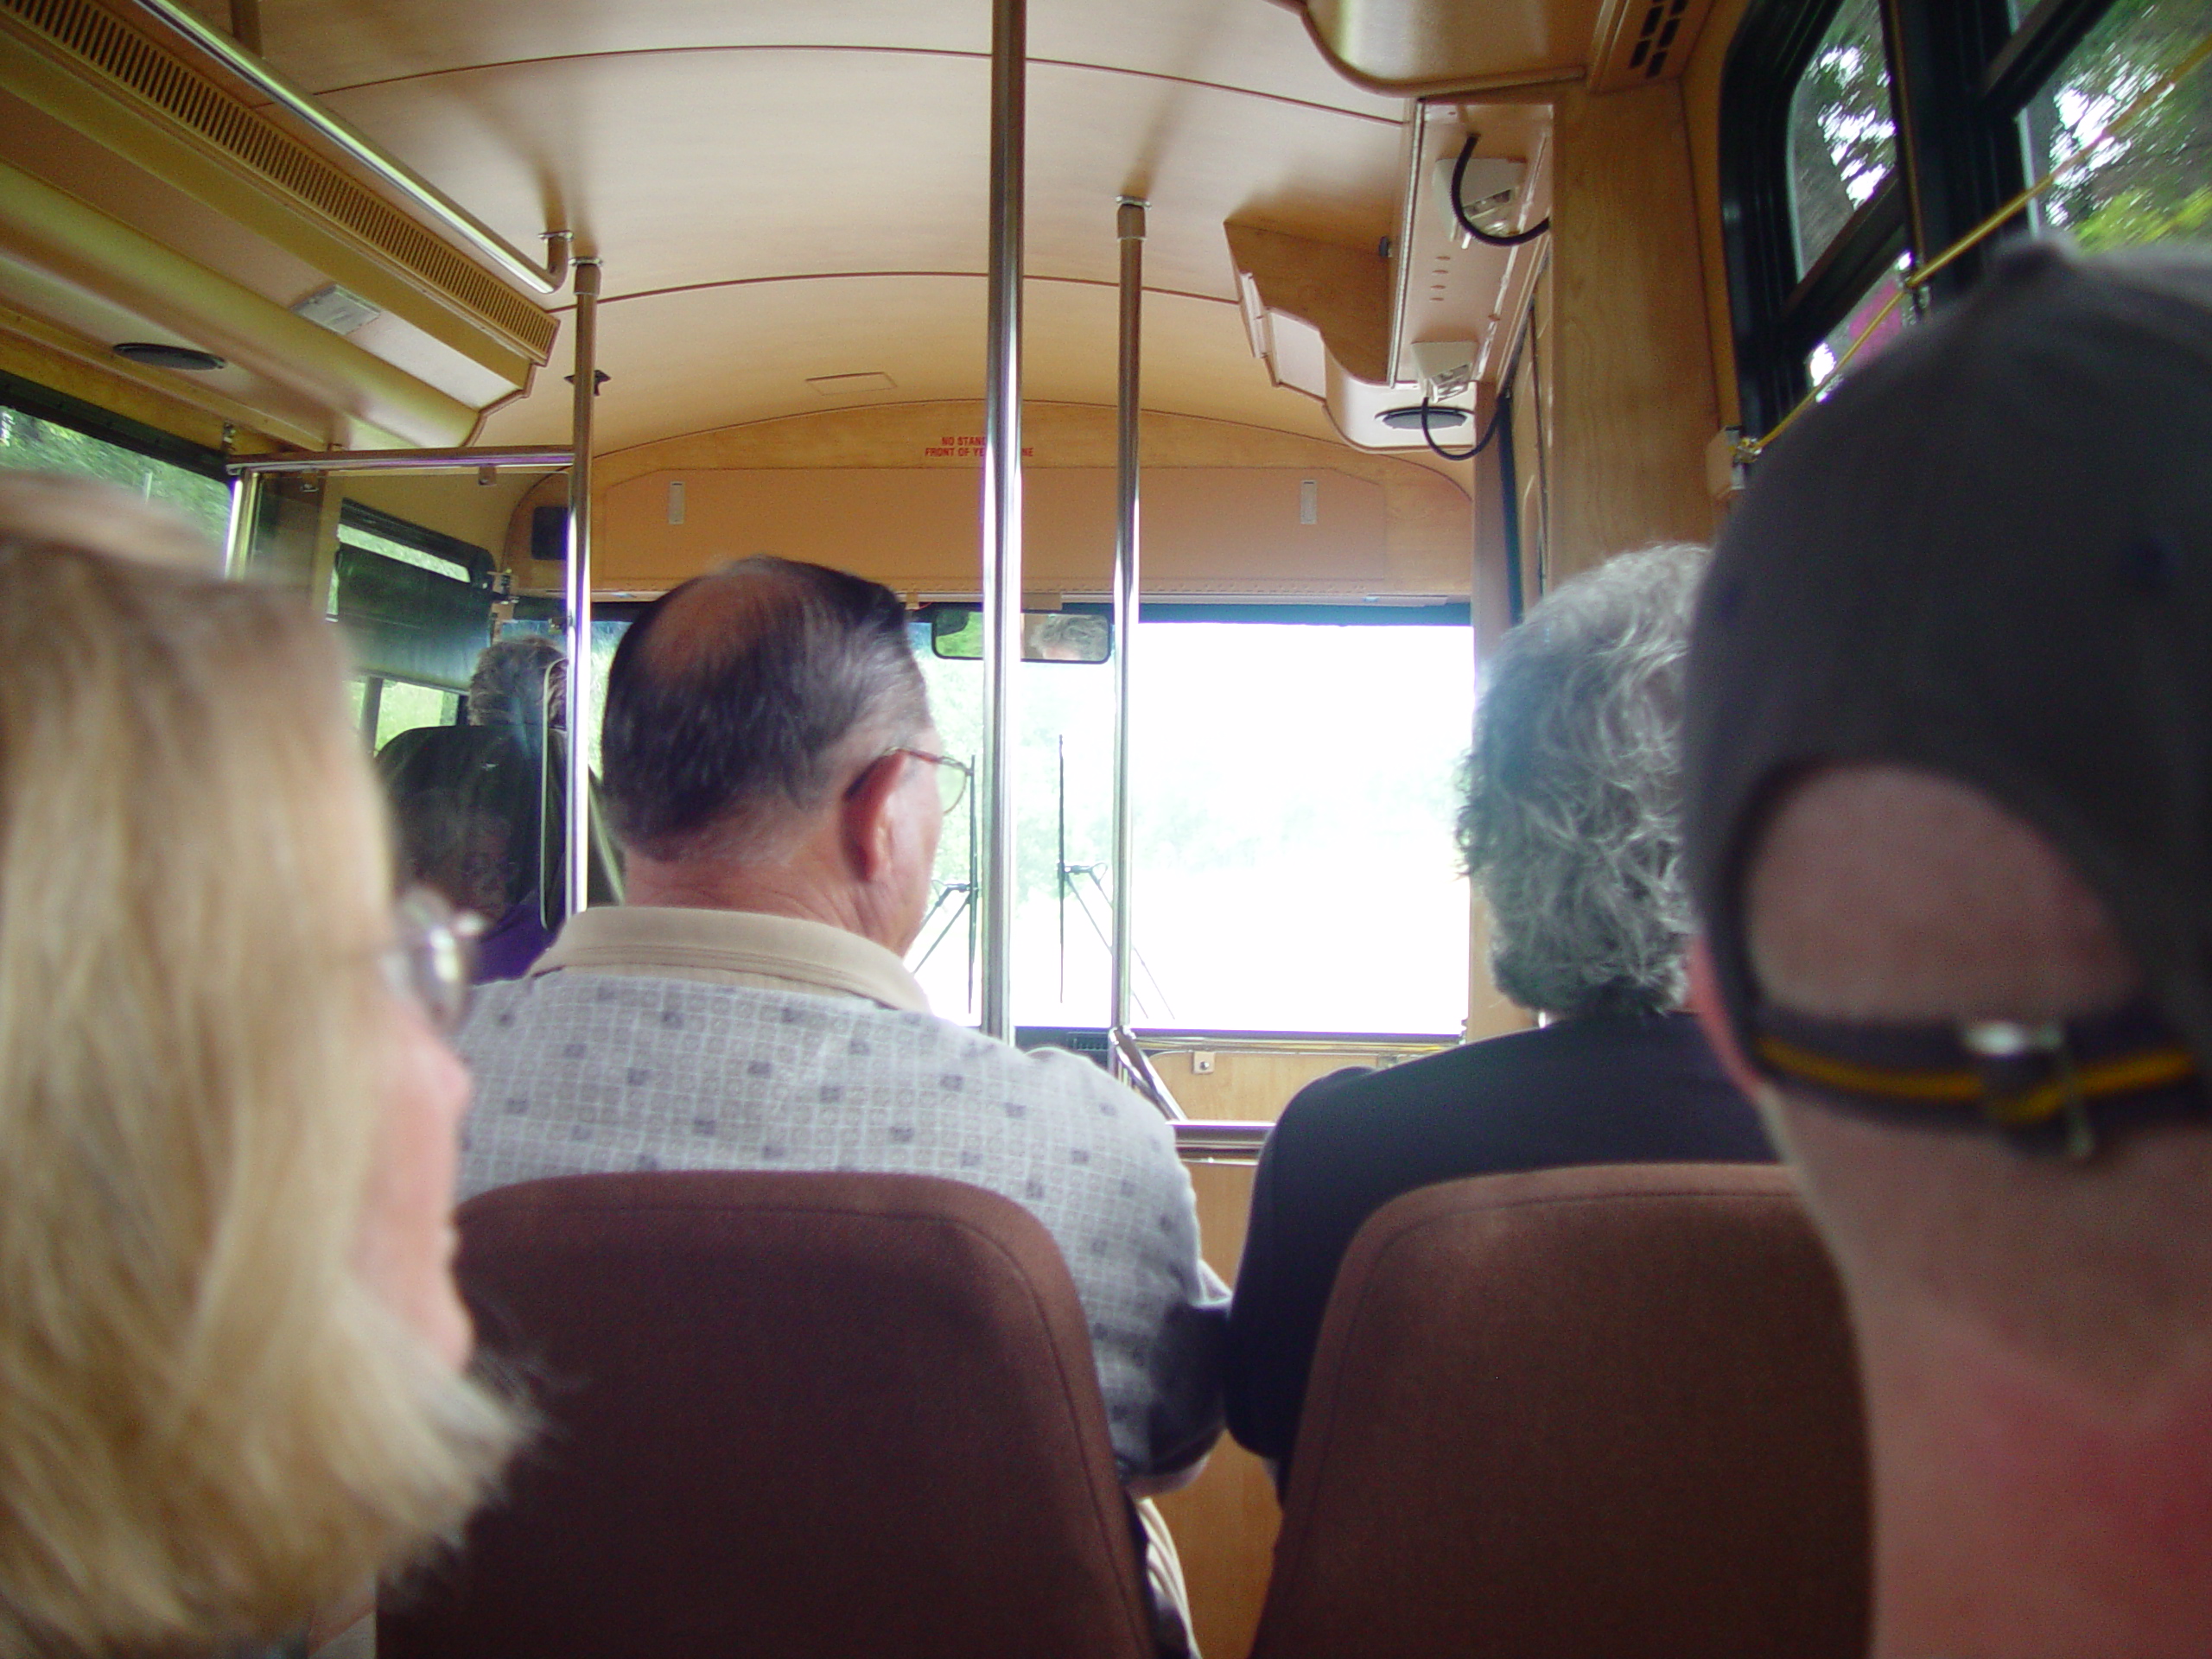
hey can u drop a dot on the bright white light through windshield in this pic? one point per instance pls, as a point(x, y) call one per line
point(1294, 797)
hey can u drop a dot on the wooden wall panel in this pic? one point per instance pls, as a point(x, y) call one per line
point(1226, 1521)
point(1245, 1088)
point(1206, 529)
point(1419, 547)
point(1635, 404)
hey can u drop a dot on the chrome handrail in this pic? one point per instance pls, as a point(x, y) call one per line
point(1187, 1040)
point(1139, 1072)
point(419, 192)
point(585, 393)
point(238, 535)
point(1129, 229)
point(1001, 510)
point(539, 459)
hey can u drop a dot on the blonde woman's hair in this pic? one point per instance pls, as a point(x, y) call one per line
point(72, 513)
point(209, 1423)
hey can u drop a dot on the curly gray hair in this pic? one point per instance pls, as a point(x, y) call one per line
point(1573, 823)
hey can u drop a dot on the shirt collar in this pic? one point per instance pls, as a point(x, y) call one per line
point(735, 946)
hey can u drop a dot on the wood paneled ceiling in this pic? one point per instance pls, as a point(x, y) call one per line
point(783, 192)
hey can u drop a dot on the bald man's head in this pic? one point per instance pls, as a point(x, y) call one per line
point(740, 699)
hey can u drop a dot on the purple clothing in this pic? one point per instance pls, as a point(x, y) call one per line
point(512, 944)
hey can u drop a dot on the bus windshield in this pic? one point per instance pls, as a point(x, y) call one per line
point(1293, 864)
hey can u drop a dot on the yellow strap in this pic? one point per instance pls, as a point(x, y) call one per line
point(2154, 1068)
point(1920, 276)
point(1965, 1087)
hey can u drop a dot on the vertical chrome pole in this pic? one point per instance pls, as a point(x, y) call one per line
point(1003, 506)
point(577, 871)
point(245, 507)
point(1128, 225)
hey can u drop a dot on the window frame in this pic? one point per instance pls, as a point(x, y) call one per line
point(1961, 74)
point(1779, 317)
point(477, 561)
point(44, 404)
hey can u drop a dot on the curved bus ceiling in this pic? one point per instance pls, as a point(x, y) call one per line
point(787, 193)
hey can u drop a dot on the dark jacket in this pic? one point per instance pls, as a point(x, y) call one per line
point(1604, 1089)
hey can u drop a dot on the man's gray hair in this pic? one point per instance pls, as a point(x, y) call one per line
point(1573, 823)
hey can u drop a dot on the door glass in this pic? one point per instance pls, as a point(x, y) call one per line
point(606, 635)
point(1294, 797)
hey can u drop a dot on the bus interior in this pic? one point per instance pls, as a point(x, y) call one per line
point(1216, 381)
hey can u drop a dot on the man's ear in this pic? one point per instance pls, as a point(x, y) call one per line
point(1712, 1012)
point(867, 817)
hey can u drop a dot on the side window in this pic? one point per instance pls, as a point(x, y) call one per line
point(1843, 154)
point(35, 442)
point(1815, 207)
point(2154, 184)
point(416, 608)
point(1855, 134)
point(1843, 136)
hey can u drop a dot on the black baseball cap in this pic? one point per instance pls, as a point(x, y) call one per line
point(1987, 555)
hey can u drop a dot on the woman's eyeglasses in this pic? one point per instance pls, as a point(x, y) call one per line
point(432, 959)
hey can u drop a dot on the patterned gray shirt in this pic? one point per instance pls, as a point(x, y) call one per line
point(653, 1038)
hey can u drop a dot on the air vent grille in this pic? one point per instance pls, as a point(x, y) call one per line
point(122, 55)
point(1662, 21)
point(1641, 41)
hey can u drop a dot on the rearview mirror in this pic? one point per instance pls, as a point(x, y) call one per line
point(957, 633)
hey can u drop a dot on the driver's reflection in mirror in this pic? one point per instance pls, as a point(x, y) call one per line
point(955, 634)
point(1062, 637)
point(465, 801)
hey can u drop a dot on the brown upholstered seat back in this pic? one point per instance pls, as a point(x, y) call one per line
point(1587, 1414)
point(797, 1414)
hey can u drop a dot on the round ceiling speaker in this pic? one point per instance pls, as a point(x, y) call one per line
point(1438, 417)
point(155, 355)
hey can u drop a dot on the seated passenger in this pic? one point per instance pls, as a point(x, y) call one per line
point(230, 1345)
point(777, 788)
point(466, 803)
point(509, 688)
point(1950, 759)
point(1572, 829)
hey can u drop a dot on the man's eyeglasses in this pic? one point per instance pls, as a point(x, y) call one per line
point(432, 959)
point(953, 775)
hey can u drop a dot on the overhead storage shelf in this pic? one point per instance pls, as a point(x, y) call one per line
point(123, 153)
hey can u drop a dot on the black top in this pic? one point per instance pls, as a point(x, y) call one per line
point(1605, 1089)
